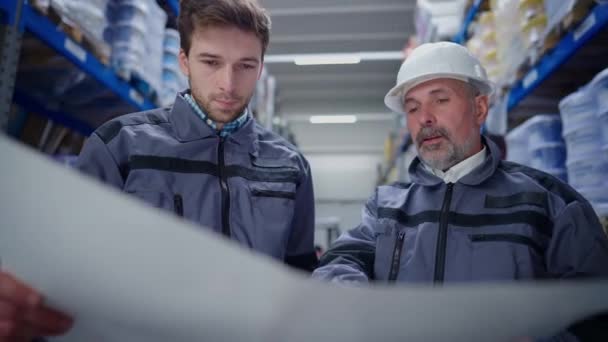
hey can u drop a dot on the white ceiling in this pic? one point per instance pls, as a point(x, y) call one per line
point(337, 26)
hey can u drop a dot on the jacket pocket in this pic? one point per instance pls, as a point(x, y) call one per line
point(273, 193)
point(273, 163)
point(272, 210)
point(385, 247)
point(161, 200)
point(267, 170)
point(506, 256)
point(509, 238)
point(178, 205)
point(396, 257)
point(154, 198)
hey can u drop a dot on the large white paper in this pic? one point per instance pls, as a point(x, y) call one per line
point(127, 272)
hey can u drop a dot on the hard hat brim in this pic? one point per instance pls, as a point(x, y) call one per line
point(394, 98)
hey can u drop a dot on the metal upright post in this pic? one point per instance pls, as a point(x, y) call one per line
point(10, 43)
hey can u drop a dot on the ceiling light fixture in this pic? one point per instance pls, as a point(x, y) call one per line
point(334, 58)
point(328, 59)
point(333, 119)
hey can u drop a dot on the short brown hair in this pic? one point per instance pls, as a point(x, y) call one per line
point(247, 15)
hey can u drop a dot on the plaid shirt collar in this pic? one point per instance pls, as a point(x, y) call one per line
point(228, 128)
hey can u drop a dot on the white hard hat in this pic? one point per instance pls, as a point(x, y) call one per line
point(437, 60)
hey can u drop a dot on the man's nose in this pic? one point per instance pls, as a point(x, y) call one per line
point(426, 118)
point(227, 80)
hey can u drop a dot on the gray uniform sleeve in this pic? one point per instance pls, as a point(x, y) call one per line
point(300, 247)
point(579, 246)
point(96, 160)
point(579, 249)
point(351, 257)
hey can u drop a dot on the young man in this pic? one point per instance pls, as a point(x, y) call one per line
point(467, 216)
point(205, 158)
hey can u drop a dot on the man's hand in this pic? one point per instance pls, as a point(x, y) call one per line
point(23, 314)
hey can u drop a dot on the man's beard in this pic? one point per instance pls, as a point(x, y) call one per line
point(452, 153)
point(212, 114)
point(219, 113)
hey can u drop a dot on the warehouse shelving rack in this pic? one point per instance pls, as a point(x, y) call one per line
point(18, 21)
point(579, 49)
point(568, 46)
point(173, 5)
point(551, 64)
point(462, 34)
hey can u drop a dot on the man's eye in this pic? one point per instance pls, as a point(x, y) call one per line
point(248, 66)
point(411, 110)
point(443, 100)
point(211, 62)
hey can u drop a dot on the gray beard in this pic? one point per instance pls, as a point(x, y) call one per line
point(453, 155)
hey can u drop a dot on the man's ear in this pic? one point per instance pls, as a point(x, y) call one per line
point(482, 105)
point(183, 62)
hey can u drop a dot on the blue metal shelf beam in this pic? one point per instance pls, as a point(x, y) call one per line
point(461, 36)
point(568, 45)
point(42, 28)
point(174, 4)
point(8, 9)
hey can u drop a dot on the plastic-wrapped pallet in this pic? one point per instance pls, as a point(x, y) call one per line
point(517, 145)
point(579, 116)
point(41, 5)
point(127, 35)
point(173, 80)
point(533, 21)
point(89, 17)
point(183, 81)
point(538, 143)
point(438, 20)
point(136, 49)
point(153, 63)
point(556, 10)
point(586, 164)
point(488, 52)
point(598, 88)
point(510, 48)
point(546, 146)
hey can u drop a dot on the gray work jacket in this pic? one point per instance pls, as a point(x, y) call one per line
point(252, 186)
point(502, 221)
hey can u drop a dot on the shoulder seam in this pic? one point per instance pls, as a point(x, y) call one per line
point(547, 181)
point(113, 128)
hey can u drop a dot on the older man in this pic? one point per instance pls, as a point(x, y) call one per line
point(467, 215)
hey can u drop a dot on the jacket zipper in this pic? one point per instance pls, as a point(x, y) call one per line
point(225, 190)
point(442, 236)
point(178, 205)
point(396, 260)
